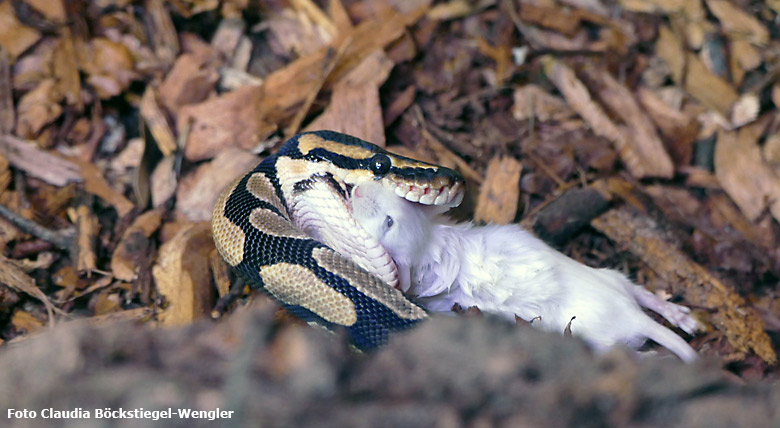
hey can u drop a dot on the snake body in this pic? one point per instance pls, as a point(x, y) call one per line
point(286, 228)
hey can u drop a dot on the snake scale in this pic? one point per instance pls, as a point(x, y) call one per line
point(286, 227)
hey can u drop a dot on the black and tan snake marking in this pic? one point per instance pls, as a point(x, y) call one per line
point(286, 227)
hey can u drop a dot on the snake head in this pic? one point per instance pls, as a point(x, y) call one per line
point(353, 162)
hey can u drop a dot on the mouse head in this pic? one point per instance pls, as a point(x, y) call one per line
point(401, 226)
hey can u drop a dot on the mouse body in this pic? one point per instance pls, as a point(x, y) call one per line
point(505, 270)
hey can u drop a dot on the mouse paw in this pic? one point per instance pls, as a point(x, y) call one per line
point(679, 316)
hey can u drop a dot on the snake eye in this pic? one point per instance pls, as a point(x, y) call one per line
point(388, 222)
point(380, 164)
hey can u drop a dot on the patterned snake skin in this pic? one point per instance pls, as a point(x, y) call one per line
point(285, 226)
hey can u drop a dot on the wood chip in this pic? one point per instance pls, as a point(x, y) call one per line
point(86, 235)
point(191, 80)
point(679, 129)
point(230, 120)
point(163, 181)
point(182, 275)
point(39, 163)
point(110, 66)
point(642, 141)
point(37, 109)
point(499, 194)
point(65, 68)
point(633, 153)
point(744, 175)
point(531, 101)
point(738, 23)
point(354, 106)
point(96, 184)
point(285, 89)
point(220, 269)
point(25, 322)
point(14, 36)
point(743, 328)
point(125, 261)
point(199, 190)
point(7, 111)
point(163, 33)
point(157, 122)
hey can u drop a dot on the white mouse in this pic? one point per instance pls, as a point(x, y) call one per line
point(507, 271)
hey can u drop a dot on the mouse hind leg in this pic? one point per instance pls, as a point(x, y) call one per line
point(678, 315)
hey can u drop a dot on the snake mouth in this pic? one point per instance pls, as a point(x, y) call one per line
point(428, 195)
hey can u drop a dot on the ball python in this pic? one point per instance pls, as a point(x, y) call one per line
point(286, 228)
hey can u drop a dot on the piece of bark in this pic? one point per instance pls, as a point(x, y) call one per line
point(315, 14)
point(182, 275)
point(191, 80)
point(730, 314)
point(14, 36)
point(338, 14)
point(221, 273)
point(745, 110)
point(157, 122)
point(164, 37)
point(199, 190)
point(39, 163)
point(65, 69)
point(578, 97)
point(96, 184)
point(744, 175)
point(37, 109)
point(354, 106)
point(86, 233)
point(739, 23)
point(227, 37)
point(110, 66)
point(230, 120)
point(25, 322)
point(567, 214)
point(7, 111)
point(125, 261)
point(689, 72)
point(640, 136)
point(398, 105)
point(289, 32)
point(679, 129)
point(531, 101)
point(286, 88)
point(163, 181)
point(499, 194)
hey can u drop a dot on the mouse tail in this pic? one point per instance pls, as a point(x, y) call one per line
point(670, 340)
